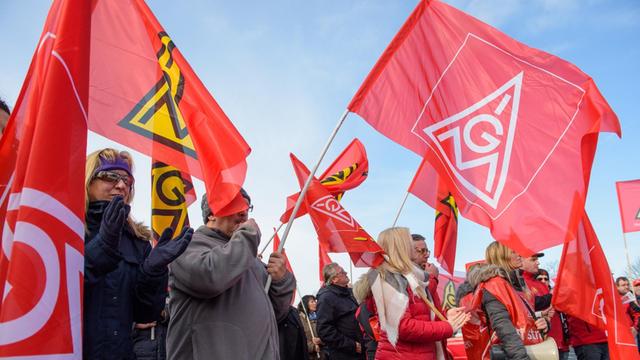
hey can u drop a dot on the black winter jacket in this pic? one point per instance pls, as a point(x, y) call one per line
point(337, 325)
point(292, 340)
point(117, 292)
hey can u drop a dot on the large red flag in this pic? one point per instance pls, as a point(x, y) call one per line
point(585, 289)
point(501, 122)
point(427, 187)
point(171, 194)
point(337, 230)
point(145, 95)
point(346, 172)
point(629, 202)
point(42, 156)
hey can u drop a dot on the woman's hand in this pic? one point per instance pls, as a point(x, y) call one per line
point(113, 219)
point(457, 318)
point(316, 341)
point(541, 324)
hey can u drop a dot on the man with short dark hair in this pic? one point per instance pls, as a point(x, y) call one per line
point(630, 303)
point(218, 306)
point(4, 115)
point(337, 325)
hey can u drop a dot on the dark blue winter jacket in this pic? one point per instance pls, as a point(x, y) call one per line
point(117, 292)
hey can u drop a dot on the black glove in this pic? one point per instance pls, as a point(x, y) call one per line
point(166, 251)
point(113, 218)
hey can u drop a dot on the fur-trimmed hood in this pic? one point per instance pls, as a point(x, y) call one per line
point(482, 273)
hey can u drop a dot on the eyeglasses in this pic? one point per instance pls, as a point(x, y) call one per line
point(542, 278)
point(423, 251)
point(114, 177)
point(250, 208)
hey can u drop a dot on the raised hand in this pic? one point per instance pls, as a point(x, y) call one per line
point(113, 218)
point(457, 318)
point(277, 266)
point(166, 251)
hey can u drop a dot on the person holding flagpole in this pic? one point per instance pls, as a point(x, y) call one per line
point(398, 295)
point(125, 280)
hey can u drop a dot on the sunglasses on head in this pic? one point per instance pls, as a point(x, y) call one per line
point(114, 177)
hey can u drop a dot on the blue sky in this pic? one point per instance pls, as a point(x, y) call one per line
point(284, 71)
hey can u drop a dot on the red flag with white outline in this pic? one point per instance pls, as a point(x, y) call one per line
point(629, 203)
point(337, 230)
point(42, 261)
point(346, 172)
point(468, 98)
point(584, 266)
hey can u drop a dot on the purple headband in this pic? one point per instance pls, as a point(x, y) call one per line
point(118, 164)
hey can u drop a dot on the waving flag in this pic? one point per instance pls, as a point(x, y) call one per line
point(337, 230)
point(468, 98)
point(427, 187)
point(324, 260)
point(583, 266)
point(171, 194)
point(43, 215)
point(346, 172)
point(276, 244)
point(145, 95)
point(629, 202)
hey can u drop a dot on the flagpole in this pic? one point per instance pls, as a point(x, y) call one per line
point(626, 251)
point(270, 240)
point(350, 271)
point(404, 201)
point(303, 192)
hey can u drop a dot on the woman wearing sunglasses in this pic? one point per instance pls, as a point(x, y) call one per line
point(125, 280)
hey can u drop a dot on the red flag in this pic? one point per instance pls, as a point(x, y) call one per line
point(337, 230)
point(427, 187)
point(171, 194)
point(629, 202)
point(42, 156)
point(346, 172)
point(145, 95)
point(584, 266)
point(466, 96)
point(276, 244)
point(324, 260)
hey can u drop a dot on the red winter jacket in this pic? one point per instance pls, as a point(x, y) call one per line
point(417, 334)
point(581, 333)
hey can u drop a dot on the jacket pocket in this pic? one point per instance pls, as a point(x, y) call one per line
point(218, 341)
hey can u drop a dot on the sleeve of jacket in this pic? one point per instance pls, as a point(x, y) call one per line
point(151, 294)
point(502, 325)
point(415, 330)
point(99, 260)
point(204, 272)
point(327, 330)
point(280, 293)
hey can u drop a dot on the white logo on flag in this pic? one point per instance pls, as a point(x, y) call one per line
point(489, 153)
point(328, 205)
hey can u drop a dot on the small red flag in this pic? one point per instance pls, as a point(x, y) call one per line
point(629, 202)
point(346, 172)
point(584, 266)
point(468, 98)
point(145, 95)
point(337, 230)
point(324, 260)
point(43, 215)
point(427, 187)
point(276, 245)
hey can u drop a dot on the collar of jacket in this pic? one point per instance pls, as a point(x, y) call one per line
point(340, 290)
point(93, 217)
point(215, 233)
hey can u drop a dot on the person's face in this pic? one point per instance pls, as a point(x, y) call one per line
point(543, 278)
point(231, 223)
point(107, 184)
point(530, 264)
point(341, 278)
point(4, 118)
point(420, 253)
point(623, 287)
point(515, 260)
point(313, 304)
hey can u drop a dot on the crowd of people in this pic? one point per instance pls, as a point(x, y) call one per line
point(201, 295)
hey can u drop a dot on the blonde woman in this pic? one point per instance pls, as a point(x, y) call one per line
point(394, 293)
point(125, 281)
point(500, 293)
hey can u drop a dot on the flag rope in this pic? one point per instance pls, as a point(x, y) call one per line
point(303, 192)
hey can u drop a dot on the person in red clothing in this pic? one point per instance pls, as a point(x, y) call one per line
point(395, 290)
point(630, 303)
point(558, 330)
point(589, 342)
